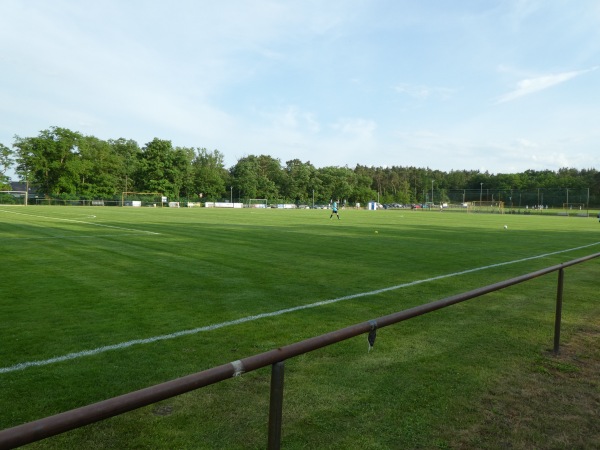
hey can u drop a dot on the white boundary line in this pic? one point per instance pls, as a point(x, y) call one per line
point(164, 337)
point(80, 221)
point(78, 236)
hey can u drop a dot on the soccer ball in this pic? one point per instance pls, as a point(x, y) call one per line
point(506, 227)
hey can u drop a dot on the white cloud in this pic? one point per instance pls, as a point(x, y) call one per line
point(532, 85)
point(359, 128)
point(314, 80)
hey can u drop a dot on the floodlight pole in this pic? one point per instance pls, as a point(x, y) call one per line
point(480, 192)
point(232, 194)
point(432, 193)
point(588, 201)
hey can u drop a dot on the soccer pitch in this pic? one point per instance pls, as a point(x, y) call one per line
point(97, 301)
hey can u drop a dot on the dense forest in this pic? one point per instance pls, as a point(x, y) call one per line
point(62, 163)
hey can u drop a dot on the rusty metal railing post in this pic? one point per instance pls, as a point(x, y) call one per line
point(276, 406)
point(558, 315)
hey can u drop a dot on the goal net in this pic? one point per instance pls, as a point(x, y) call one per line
point(257, 203)
point(486, 207)
point(574, 206)
point(13, 198)
point(152, 199)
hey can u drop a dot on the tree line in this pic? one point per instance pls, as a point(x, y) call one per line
point(62, 163)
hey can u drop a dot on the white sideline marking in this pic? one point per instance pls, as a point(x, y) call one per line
point(81, 221)
point(78, 236)
point(122, 345)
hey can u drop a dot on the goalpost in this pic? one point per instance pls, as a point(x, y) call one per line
point(14, 198)
point(579, 209)
point(485, 206)
point(574, 206)
point(257, 203)
point(142, 199)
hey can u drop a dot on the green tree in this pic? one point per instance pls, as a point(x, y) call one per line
point(363, 192)
point(99, 167)
point(128, 153)
point(156, 168)
point(181, 172)
point(338, 183)
point(50, 160)
point(257, 177)
point(208, 174)
point(298, 181)
point(245, 177)
point(270, 178)
point(6, 162)
point(63, 162)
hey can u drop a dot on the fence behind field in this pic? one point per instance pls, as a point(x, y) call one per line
point(76, 418)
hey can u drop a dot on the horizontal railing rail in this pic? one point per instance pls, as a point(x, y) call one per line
point(79, 417)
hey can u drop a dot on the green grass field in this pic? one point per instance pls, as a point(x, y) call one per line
point(85, 289)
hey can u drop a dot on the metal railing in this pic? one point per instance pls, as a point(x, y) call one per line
point(76, 418)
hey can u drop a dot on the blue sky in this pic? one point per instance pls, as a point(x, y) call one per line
point(498, 86)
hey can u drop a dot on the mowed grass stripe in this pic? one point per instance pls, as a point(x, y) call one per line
point(210, 267)
point(37, 218)
point(212, 273)
point(123, 345)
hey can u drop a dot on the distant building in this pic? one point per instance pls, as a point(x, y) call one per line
point(22, 186)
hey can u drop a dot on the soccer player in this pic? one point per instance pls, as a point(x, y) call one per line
point(334, 210)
